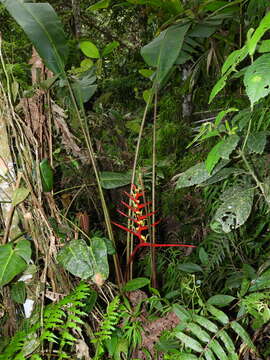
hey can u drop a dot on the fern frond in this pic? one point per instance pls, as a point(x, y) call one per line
point(213, 336)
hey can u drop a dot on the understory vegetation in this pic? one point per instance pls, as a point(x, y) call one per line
point(134, 180)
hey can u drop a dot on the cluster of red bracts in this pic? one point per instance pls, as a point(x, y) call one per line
point(139, 220)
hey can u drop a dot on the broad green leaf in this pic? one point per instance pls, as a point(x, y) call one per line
point(19, 195)
point(84, 87)
point(76, 258)
point(135, 284)
point(189, 267)
point(227, 146)
point(197, 174)
point(227, 341)
point(243, 334)
point(89, 49)
point(256, 142)
point(46, 174)
point(259, 32)
point(215, 346)
point(42, 26)
point(102, 4)
point(196, 330)
point(207, 324)
point(202, 31)
point(188, 341)
point(256, 79)
point(236, 208)
point(109, 48)
point(218, 314)
point(23, 249)
point(221, 175)
point(264, 47)
point(163, 51)
point(113, 180)
point(18, 292)
point(11, 264)
point(100, 261)
point(213, 157)
point(220, 300)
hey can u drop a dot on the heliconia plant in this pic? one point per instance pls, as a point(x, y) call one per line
point(140, 220)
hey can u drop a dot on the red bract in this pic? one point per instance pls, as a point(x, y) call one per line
point(139, 220)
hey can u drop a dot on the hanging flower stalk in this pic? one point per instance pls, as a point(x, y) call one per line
point(139, 220)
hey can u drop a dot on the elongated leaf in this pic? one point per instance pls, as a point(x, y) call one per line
point(217, 88)
point(189, 342)
point(234, 59)
point(218, 314)
point(11, 264)
point(135, 284)
point(110, 48)
point(197, 174)
point(181, 312)
point(209, 355)
point(113, 180)
point(243, 334)
point(163, 51)
point(190, 267)
point(100, 261)
point(236, 208)
point(229, 344)
point(207, 324)
point(46, 174)
point(220, 300)
point(259, 32)
point(217, 349)
point(256, 79)
point(42, 26)
point(213, 157)
point(196, 330)
point(222, 114)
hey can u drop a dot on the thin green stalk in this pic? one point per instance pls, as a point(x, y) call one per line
point(153, 240)
point(101, 194)
point(130, 236)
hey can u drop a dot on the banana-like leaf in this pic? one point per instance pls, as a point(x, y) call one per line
point(163, 51)
point(42, 26)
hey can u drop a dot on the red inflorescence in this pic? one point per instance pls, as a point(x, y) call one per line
point(139, 220)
